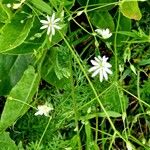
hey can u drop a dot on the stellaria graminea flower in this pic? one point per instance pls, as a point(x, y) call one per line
point(105, 33)
point(44, 109)
point(101, 67)
point(51, 24)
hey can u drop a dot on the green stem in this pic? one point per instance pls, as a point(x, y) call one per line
point(115, 48)
point(44, 133)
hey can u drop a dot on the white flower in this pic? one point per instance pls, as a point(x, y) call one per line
point(17, 5)
point(44, 109)
point(8, 5)
point(105, 33)
point(101, 67)
point(51, 24)
point(129, 146)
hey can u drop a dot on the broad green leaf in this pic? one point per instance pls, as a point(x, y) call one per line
point(24, 48)
point(20, 96)
point(102, 20)
point(56, 66)
point(11, 70)
point(114, 100)
point(14, 33)
point(33, 41)
point(130, 9)
point(6, 143)
point(42, 6)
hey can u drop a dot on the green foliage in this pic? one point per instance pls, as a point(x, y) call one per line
point(6, 142)
point(19, 98)
point(12, 68)
point(101, 19)
point(56, 68)
point(41, 5)
point(130, 9)
point(47, 62)
point(18, 35)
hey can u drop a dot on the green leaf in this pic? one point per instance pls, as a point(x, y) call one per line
point(19, 98)
point(56, 66)
point(115, 100)
point(6, 143)
point(14, 33)
point(42, 6)
point(102, 20)
point(32, 42)
point(130, 9)
point(11, 70)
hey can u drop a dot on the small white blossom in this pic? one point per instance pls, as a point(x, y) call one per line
point(44, 109)
point(51, 24)
point(105, 33)
point(101, 67)
point(8, 5)
point(18, 5)
point(129, 146)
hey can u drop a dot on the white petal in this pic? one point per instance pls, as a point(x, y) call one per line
point(95, 63)
point(53, 31)
point(96, 72)
point(38, 113)
point(48, 18)
point(108, 70)
point(105, 58)
point(44, 27)
point(57, 27)
point(108, 65)
point(101, 76)
point(48, 30)
point(56, 20)
point(98, 59)
point(53, 17)
point(105, 75)
point(93, 68)
point(44, 21)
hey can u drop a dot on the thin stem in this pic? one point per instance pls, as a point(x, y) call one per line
point(44, 133)
point(115, 48)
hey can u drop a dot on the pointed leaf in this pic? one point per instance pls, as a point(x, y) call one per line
point(14, 33)
point(102, 20)
point(19, 98)
point(41, 5)
point(130, 9)
point(11, 70)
